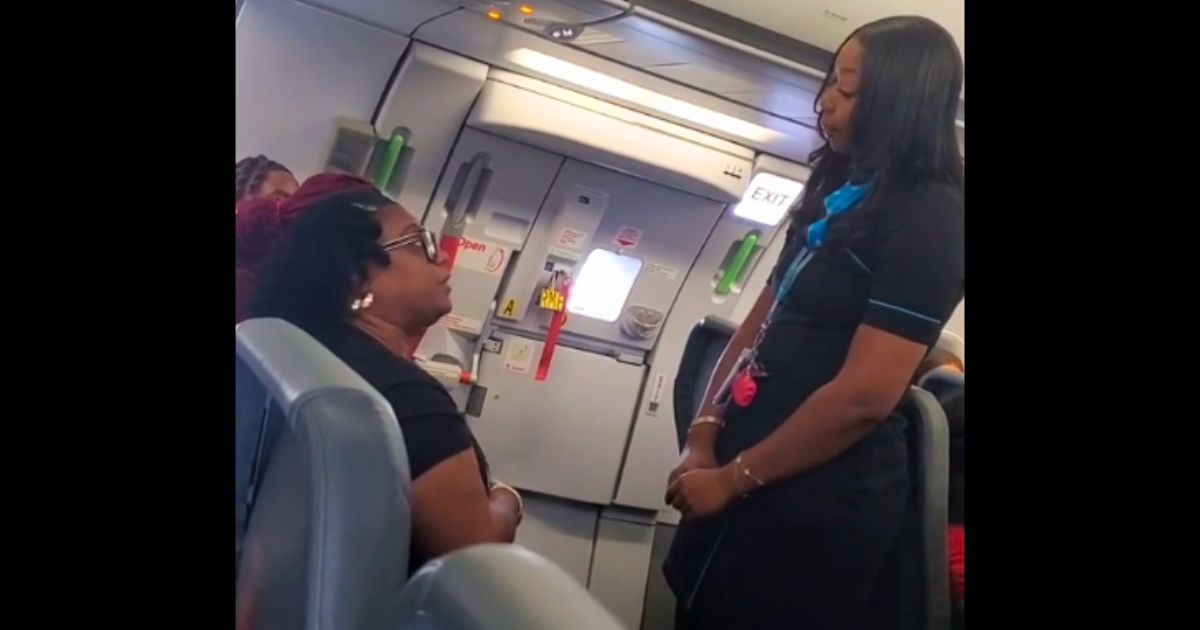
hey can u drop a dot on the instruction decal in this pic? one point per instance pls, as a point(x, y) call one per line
point(462, 324)
point(480, 256)
point(572, 239)
point(510, 308)
point(627, 237)
point(667, 272)
point(494, 346)
point(519, 356)
point(656, 393)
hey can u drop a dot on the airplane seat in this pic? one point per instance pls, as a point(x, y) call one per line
point(929, 457)
point(257, 424)
point(703, 350)
point(499, 586)
point(327, 537)
point(914, 583)
point(942, 382)
point(251, 407)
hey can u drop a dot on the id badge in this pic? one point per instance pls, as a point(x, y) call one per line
point(726, 390)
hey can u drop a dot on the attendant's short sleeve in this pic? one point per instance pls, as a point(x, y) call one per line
point(917, 278)
point(433, 428)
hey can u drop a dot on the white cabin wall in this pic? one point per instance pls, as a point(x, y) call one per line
point(958, 325)
point(298, 69)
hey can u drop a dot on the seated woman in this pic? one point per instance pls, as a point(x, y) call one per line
point(261, 176)
point(359, 274)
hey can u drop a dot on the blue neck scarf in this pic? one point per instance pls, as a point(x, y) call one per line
point(840, 201)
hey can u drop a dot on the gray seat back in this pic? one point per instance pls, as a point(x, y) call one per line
point(929, 453)
point(701, 353)
point(327, 540)
point(499, 586)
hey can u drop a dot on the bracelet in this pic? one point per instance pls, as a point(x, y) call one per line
point(745, 470)
point(500, 485)
point(706, 420)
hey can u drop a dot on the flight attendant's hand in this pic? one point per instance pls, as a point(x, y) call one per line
point(703, 492)
point(692, 459)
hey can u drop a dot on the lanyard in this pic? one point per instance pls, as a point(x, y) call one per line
point(789, 277)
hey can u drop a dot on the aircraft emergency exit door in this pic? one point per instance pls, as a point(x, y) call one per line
point(627, 245)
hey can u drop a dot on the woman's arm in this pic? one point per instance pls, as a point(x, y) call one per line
point(870, 384)
point(452, 509)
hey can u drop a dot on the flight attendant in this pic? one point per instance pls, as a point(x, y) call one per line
point(794, 479)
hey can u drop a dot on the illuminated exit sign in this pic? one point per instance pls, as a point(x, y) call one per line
point(768, 198)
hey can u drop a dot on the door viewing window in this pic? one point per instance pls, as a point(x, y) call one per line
point(603, 285)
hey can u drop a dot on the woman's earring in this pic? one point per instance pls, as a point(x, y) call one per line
point(362, 302)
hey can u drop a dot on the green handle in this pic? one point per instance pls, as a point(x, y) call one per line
point(387, 167)
point(735, 266)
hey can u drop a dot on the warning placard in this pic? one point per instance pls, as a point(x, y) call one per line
point(627, 237)
point(570, 238)
point(663, 270)
point(462, 324)
point(481, 256)
point(656, 394)
point(552, 300)
point(519, 356)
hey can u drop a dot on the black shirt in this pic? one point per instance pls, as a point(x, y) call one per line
point(905, 276)
point(433, 428)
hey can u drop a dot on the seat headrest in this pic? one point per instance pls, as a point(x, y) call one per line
point(701, 353)
point(291, 365)
point(523, 590)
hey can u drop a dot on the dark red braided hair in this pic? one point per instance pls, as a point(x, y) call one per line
point(261, 221)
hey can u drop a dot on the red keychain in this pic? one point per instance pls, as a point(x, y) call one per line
point(745, 385)
point(744, 389)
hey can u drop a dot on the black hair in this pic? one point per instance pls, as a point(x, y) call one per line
point(252, 172)
point(314, 271)
point(903, 127)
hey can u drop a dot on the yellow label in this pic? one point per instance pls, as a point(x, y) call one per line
point(510, 308)
point(552, 300)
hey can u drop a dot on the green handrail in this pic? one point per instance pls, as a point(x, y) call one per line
point(387, 166)
point(735, 266)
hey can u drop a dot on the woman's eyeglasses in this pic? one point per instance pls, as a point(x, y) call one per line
point(423, 237)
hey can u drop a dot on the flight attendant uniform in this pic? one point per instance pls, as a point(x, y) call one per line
point(805, 552)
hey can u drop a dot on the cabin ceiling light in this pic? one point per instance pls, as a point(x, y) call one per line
point(630, 93)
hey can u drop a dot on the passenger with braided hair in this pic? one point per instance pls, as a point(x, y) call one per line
point(261, 176)
point(260, 220)
point(357, 272)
